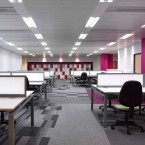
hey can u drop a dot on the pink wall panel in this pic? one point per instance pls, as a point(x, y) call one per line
point(143, 56)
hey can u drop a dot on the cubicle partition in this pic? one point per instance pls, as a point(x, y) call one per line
point(117, 80)
point(32, 76)
point(114, 71)
point(5, 73)
point(8, 89)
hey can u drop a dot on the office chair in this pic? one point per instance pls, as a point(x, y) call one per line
point(83, 79)
point(110, 97)
point(130, 98)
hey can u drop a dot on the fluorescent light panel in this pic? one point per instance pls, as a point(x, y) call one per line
point(126, 36)
point(83, 36)
point(95, 52)
point(38, 36)
point(102, 48)
point(111, 43)
point(77, 43)
point(19, 48)
point(92, 22)
point(46, 48)
point(143, 26)
point(74, 48)
point(30, 22)
point(15, 1)
point(72, 52)
point(10, 43)
point(49, 52)
point(106, 1)
point(43, 43)
point(26, 51)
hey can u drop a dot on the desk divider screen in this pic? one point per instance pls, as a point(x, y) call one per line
point(78, 73)
point(114, 71)
point(5, 73)
point(51, 73)
point(117, 80)
point(32, 76)
point(12, 86)
point(46, 74)
point(93, 73)
point(72, 73)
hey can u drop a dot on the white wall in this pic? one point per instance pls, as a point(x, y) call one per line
point(126, 56)
point(94, 59)
point(9, 61)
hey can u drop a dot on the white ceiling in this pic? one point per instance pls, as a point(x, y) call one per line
point(62, 21)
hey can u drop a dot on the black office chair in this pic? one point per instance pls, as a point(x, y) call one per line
point(130, 98)
point(83, 79)
point(110, 97)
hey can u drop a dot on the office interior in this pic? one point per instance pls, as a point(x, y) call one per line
point(51, 43)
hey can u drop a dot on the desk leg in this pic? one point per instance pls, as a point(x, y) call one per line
point(40, 103)
point(105, 111)
point(46, 91)
point(11, 134)
point(92, 98)
point(32, 112)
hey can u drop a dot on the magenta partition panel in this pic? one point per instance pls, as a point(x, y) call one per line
point(62, 69)
point(106, 61)
point(143, 56)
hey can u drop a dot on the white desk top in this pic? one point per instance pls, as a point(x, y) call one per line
point(112, 89)
point(10, 103)
point(36, 83)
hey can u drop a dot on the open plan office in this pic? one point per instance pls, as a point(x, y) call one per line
point(72, 72)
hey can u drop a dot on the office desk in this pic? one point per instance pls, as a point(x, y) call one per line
point(12, 105)
point(40, 85)
point(105, 91)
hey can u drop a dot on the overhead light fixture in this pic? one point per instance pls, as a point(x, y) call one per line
point(30, 22)
point(90, 54)
point(106, 1)
point(51, 55)
point(43, 43)
point(38, 36)
point(92, 22)
point(74, 48)
point(15, 1)
point(143, 26)
point(46, 48)
point(102, 48)
point(77, 43)
point(19, 48)
point(44, 59)
point(70, 55)
point(111, 43)
point(83, 36)
point(1, 38)
point(77, 60)
point(72, 52)
point(49, 52)
point(126, 36)
point(33, 55)
point(10, 43)
point(60, 60)
point(26, 52)
point(95, 51)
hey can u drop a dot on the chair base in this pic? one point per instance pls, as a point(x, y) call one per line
point(127, 123)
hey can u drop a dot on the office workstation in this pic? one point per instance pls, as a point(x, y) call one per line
point(72, 72)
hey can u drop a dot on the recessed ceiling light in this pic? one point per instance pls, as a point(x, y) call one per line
point(95, 51)
point(72, 52)
point(126, 36)
point(83, 36)
point(90, 54)
point(19, 48)
point(111, 43)
point(143, 26)
point(15, 1)
point(102, 48)
point(74, 48)
point(92, 21)
point(26, 51)
point(70, 55)
point(49, 52)
point(43, 43)
point(30, 22)
point(106, 1)
point(77, 43)
point(1, 38)
point(46, 48)
point(38, 36)
point(10, 43)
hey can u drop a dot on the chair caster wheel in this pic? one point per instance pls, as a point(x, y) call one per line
point(142, 130)
point(112, 127)
point(128, 132)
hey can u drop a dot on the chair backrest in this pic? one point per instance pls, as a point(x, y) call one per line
point(131, 94)
point(84, 75)
point(27, 83)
